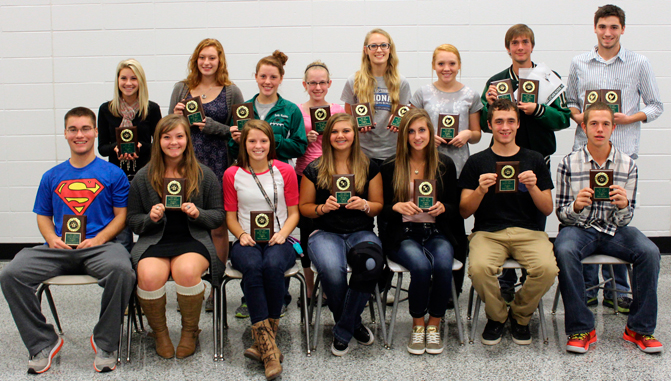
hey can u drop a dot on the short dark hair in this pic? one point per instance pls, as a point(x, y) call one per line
point(607, 11)
point(519, 30)
point(502, 104)
point(78, 112)
point(598, 106)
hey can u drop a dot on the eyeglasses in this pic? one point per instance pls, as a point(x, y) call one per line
point(383, 46)
point(75, 130)
point(315, 84)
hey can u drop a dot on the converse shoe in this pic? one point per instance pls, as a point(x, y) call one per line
point(434, 344)
point(104, 361)
point(338, 348)
point(364, 335)
point(417, 343)
point(41, 362)
point(493, 332)
point(646, 343)
point(580, 342)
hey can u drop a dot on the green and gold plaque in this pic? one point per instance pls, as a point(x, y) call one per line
point(591, 97)
point(424, 195)
point(528, 91)
point(600, 181)
point(506, 176)
point(262, 225)
point(126, 140)
point(242, 112)
point(73, 229)
point(448, 125)
point(173, 193)
point(504, 89)
point(363, 115)
point(398, 114)
point(319, 117)
point(613, 99)
point(343, 188)
point(193, 110)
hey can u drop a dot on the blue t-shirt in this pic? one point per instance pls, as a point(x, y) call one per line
point(94, 191)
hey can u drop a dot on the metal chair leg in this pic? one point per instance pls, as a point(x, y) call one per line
point(614, 291)
point(556, 301)
point(474, 324)
point(457, 314)
point(304, 308)
point(541, 319)
point(317, 295)
point(130, 320)
point(372, 311)
point(470, 303)
point(52, 307)
point(223, 319)
point(382, 318)
point(215, 324)
point(394, 309)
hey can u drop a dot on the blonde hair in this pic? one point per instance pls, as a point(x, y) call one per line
point(357, 162)
point(402, 167)
point(263, 126)
point(364, 81)
point(277, 59)
point(448, 48)
point(188, 167)
point(142, 91)
point(316, 65)
point(221, 76)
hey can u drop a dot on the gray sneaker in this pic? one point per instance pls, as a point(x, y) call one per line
point(104, 361)
point(417, 343)
point(242, 311)
point(41, 362)
point(434, 344)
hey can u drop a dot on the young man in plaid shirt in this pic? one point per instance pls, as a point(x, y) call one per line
point(602, 226)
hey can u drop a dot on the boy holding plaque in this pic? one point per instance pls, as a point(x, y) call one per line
point(84, 185)
point(506, 225)
point(610, 66)
point(591, 226)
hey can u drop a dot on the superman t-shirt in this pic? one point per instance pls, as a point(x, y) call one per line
point(94, 191)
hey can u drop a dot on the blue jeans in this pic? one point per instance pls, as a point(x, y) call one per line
point(262, 267)
point(328, 252)
point(591, 274)
point(426, 256)
point(573, 244)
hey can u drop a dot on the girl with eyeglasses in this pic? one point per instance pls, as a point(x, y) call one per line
point(316, 81)
point(448, 96)
point(379, 83)
point(130, 107)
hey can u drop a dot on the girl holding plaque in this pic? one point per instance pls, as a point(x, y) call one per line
point(208, 79)
point(174, 243)
point(378, 83)
point(130, 107)
point(423, 242)
point(259, 185)
point(447, 96)
point(340, 228)
point(316, 81)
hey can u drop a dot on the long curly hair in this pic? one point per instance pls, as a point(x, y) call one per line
point(194, 78)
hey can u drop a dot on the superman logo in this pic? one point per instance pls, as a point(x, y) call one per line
point(79, 194)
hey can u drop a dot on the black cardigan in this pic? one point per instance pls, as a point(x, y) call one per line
point(449, 223)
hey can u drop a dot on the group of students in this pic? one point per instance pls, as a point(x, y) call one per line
point(257, 169)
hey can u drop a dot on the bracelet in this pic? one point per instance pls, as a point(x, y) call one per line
point(241, 234)
point(316, 212)
point(366, 207)
point(323, 213)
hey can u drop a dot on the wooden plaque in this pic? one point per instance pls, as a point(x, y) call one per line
point(173, 193)
point(424, 195)
point(262, 225)
point(242, 112)
point(399, 112)
point(363, 115)
point(506, 176)
point(528, 91)
point(193, 110)
point(126, 139)
point(613, 98)
point(504, 89)
point(600, 181)
point(319, 117)
point(73, 229)
point(591, 97)
point(343, 188)
point(448, 126)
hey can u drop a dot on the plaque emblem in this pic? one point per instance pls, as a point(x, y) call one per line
point(74, 224)
point(361, 110)
point(611, 97)
point(502, 87)
point(242, 112)
point(403, 110)
point(508, 171)
point(448, 121)
point(320, 114)
point(126, 135)
point(262, 220)
point(593, 97)
point(425, 188)
point(529, 87)
point(601, 179)
point(343, 183)
point(191, 106)
point(174, 187)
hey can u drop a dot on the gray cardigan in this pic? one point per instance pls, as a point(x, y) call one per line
point(209, 201)
point(212, 127)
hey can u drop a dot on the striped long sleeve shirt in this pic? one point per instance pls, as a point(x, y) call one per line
point(573, 175)
point(629, 72)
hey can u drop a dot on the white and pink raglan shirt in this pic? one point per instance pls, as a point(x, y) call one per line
point(242, 194)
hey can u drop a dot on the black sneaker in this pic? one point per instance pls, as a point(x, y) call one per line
point(493, 332)
point(338, 348)
point(521, 334)
point(508, 295)
point(623, 304)
point(591, 302)
point(363, 335)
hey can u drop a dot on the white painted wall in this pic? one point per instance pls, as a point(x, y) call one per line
point(57, 54)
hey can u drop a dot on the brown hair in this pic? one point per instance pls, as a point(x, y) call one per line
point(502, 104)
point(607, 11)
point(256, 124)
point(402, 167)
point(277, 59)
point(221, 76)
point(597, 106)
point(78, 112)
point(188, 167)
point(357, 162)
point(364, 81)
point(445, 48)
point(519, 30)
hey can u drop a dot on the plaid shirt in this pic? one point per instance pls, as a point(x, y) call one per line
point(573, 175)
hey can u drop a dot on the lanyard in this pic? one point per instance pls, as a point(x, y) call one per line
point(272, 205)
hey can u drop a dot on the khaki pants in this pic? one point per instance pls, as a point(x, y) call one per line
point(532, 249)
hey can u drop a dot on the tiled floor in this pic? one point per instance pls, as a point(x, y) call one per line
point(610, 359)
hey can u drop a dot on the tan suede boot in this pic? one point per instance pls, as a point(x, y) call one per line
point(190, 307)
point(154, 310)
point(253, 352)
point(269, 352)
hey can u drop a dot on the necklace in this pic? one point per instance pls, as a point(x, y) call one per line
point(417, 170)
point(204, 92)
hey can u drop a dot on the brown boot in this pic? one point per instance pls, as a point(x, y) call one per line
point(253, 352)
point(154, 310)
point(190, 306)
point(265, 337)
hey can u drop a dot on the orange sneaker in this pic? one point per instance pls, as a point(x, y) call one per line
point(580, 342)
point(646, 343)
